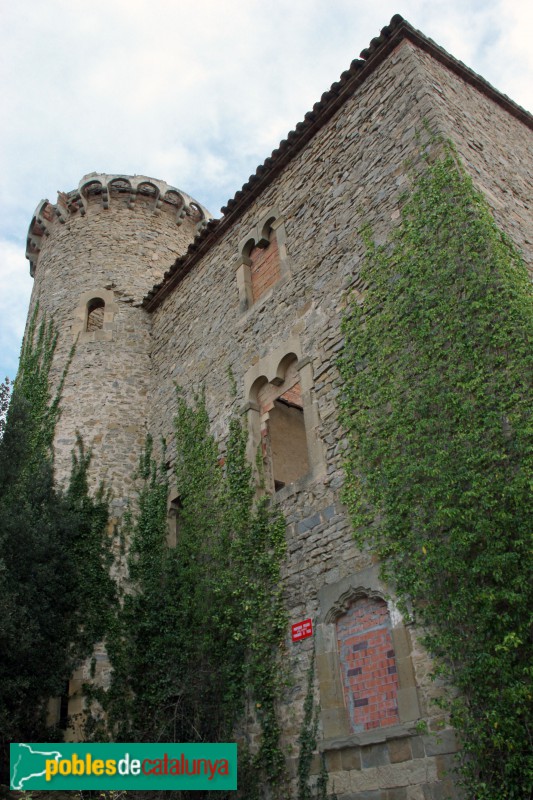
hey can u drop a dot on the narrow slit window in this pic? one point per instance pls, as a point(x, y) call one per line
point(63, 707)
point(95, 314)
point(174, 521)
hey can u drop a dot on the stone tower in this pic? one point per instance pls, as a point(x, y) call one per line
point(94, 255)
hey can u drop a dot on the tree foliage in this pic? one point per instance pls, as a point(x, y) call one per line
point(5, 394)
point(55, 589)
point(437, 366)
point(198, 635)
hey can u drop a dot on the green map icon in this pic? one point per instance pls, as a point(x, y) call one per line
point(28, 763)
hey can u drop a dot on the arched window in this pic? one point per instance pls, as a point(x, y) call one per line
point(364, 661)
point(368, 664)
point(95, 314)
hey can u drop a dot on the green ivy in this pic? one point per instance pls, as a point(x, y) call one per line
point(308, 744)
point(437, 369)
point(308, 735)
point(55, 589)
point(197, 639)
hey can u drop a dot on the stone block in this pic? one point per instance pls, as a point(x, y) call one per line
point(316, 765)
point(402, 643)
point(399, 793)
point(329, 695)
point(308, 523)
point(341, 780)
point(374, 756)
point(365, 780)
point(441, 790)
point(408, 707)
point(392, 776)
point(334, 761)
point(334, 723)
point(406, 673)
point(415, 793)
point(399, 750)
point(351, 758)
point(417, 747)
point(326, 641)
point(446, 765)
point(441, 743)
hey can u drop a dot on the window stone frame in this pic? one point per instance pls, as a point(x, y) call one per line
point(79, 327)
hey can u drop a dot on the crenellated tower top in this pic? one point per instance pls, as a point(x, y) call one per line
point(102, 191)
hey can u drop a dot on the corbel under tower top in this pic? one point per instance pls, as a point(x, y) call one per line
point(104, 190)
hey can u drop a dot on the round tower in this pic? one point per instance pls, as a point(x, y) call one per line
point(94, 255)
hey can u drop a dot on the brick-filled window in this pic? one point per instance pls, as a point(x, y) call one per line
point(263, 261)
point(264, 267)
point(95, 314)
point(368, 664)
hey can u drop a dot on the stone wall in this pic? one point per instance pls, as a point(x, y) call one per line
point(495, 147)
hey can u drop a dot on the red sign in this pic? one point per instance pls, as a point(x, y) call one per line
point(301, 630)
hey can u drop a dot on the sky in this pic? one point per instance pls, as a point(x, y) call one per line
point(194, 93)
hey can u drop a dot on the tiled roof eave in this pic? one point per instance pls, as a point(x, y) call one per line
point(379, 49)
point(467, 74)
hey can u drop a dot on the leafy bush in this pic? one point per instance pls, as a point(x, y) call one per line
point(55, 589)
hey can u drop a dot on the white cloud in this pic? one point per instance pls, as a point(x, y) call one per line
point(15, 290)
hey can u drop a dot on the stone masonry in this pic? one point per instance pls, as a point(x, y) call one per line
point(262, 291)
